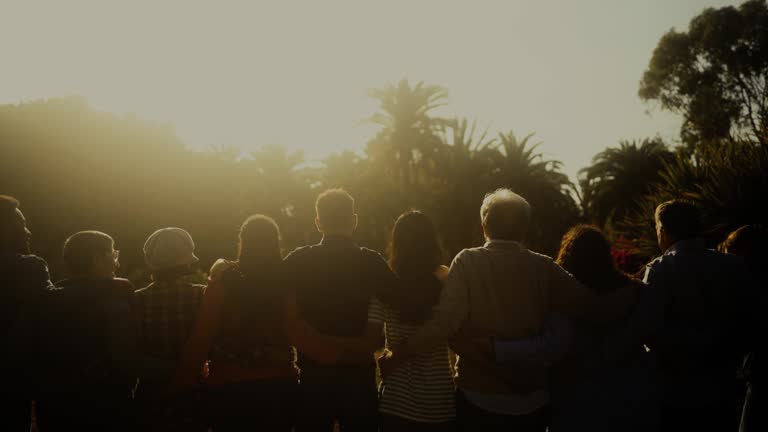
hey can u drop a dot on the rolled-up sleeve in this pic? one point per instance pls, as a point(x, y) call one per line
point(448, 314)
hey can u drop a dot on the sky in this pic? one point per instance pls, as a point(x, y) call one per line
point(297, 73)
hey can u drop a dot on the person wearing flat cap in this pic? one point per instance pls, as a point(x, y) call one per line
point(166, 311)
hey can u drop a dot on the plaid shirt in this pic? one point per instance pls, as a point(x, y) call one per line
point(166, 314)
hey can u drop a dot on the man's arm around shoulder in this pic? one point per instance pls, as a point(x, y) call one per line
point(448, 314)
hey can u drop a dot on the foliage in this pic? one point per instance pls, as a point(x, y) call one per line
point(407, 134)
point(728, 184)
point(619, 177)
point(551, 194)
point(74, 168)
point(715, 74)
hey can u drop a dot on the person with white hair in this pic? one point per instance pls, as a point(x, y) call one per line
point(502, 289)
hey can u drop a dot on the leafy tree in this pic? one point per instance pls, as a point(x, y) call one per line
point(728, 183)
point(619, 177)
point(521, 168)
point(462, 175)
point(75, 168)
point(715, 74)
point(407, 128)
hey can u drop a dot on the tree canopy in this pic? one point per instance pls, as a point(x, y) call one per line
point(75, 168)
point(715, 75)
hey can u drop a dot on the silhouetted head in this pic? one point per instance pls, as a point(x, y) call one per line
point(414, 246)
point(336, 215)
point(259, 243)
point(14, 235)
point(749, 242)
point(170, 253)
point(91, 254)
point(252, 300)
point(586, 254)
point(676, 220)
point(414, 255)
point(505, 215)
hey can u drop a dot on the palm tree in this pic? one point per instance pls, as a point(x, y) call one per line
point(519, 166)
point(461, 175)
point(407, 128)
point(619, 177)
point(521, 163)
point(727, 182)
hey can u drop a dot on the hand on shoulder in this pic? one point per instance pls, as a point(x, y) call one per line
point(441, 273)
point(219, 267)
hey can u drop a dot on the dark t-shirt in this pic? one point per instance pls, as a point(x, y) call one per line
point(334, 282)
point(23, 279)
point(701, 337)
point(86, 339)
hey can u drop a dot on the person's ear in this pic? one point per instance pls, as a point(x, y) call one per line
point(664, 242)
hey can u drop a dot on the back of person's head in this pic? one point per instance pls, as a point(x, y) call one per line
point(13, 232)
point(259, 243)
point(414, 246)
point(679, 219)
point(169, 253)
point(749, 241)
point(253, 294)
point(586, 253)
point(336, 212)
point(90, 253)
point(414, 255)
point(505, 215)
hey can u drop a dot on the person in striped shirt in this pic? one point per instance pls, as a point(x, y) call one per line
point(419, 396)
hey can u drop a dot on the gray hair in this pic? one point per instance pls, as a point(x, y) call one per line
point(505, 215)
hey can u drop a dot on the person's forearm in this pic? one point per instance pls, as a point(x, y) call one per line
point(437, 330)
point(546, 348)
point(358, 345)
point(472, 350)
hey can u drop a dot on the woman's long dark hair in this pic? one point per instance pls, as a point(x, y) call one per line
point(586, 253)
point(414, 255)
point(252, 292)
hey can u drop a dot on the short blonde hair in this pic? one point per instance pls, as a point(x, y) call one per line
point(505, 215)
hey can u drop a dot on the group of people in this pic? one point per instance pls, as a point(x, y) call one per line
point(335, 335)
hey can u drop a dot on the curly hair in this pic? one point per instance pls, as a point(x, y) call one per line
point(749, 242)
point(586, 253)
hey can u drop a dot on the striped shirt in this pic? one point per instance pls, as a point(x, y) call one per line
point(422, 389)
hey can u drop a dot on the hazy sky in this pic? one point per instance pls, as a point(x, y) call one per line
point(296, 73)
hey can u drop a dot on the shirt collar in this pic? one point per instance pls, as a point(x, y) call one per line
point(503, 244)
point(694, 243)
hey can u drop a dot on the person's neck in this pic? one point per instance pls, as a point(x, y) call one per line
point(690, 242)
point(489, 240)
point(337, 234)
point(92, 276)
